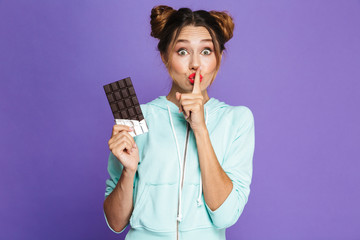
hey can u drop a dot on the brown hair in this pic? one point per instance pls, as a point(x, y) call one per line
point(166, 24)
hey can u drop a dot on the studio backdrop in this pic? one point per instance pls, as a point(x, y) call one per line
point(295, 64)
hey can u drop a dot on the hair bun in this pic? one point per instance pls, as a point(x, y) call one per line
point(226, 23)
point(159, 17)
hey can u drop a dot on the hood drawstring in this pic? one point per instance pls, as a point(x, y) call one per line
point(179, 217)
point(199, 202)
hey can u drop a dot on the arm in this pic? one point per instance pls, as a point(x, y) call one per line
point(118, 206)
point(216, 184)
point(122, 166)
point(225, 201)
point(226, 187)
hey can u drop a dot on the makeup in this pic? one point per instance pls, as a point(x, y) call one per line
point(192, 78)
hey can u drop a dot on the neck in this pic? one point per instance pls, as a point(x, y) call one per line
point(172, 95)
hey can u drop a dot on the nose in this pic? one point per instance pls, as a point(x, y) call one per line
point(194, 62)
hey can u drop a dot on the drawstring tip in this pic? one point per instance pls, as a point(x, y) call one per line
point(199, 203)
point(179, 218)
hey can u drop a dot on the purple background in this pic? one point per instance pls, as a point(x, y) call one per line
point(295, 64)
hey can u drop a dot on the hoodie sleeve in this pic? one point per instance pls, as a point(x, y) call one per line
point(115, 169)
point(237, 165)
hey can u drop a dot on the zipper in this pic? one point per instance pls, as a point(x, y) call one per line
point(182, 177)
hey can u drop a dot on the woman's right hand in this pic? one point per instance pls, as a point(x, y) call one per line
point(124, 148)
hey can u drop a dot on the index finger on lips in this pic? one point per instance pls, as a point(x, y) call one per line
point(196, 88)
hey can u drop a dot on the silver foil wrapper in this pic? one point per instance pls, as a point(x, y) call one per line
point(140, 127)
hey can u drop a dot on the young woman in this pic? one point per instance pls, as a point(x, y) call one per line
point(189, 176)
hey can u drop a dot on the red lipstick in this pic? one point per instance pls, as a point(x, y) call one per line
point(192, 78)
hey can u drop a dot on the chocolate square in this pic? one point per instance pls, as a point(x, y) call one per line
point(123, 101)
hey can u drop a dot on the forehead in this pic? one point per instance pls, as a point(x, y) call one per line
point(194, 33)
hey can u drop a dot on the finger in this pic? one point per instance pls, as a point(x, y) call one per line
point(193, 107)
point(186, 114)
point(118, 128)
point(191, 101)
point(120, 148)
point(116, 140)
point(121, 145)
point(126, 135)
point(130, 138)
point(128, 146)
point(190, 96)
point(120, 135)
point(196, 88)
point(178, 97)
point(186, 111)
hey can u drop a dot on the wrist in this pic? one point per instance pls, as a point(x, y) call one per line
point(129, 172)
point(201, 132)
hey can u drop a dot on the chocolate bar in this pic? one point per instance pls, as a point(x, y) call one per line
point(125, 105)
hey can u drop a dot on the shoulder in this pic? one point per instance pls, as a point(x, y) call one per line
point(146, 109)
point(242, 126)
point(244, 113)
point(237, 115)
point(240, 111)
point(242, 119)
point(157, 106)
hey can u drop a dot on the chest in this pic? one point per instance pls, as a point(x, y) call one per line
point(164, 146)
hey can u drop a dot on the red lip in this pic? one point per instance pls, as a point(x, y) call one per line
point(192, 77)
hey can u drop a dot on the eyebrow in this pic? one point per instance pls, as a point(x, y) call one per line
point(187, 41)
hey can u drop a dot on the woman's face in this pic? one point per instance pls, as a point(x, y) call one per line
point(192, 49)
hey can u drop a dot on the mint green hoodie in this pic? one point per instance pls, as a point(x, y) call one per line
point(168, 160)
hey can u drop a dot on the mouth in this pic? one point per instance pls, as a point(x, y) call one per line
point(192, 78)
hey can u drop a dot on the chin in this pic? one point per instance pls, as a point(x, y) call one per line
point(186, 89)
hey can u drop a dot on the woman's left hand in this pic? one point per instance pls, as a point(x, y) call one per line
point(192, 105)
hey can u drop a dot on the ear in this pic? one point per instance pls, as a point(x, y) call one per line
point(163, 58)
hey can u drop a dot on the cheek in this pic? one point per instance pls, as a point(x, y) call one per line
point(178, 65)
point(210, 64)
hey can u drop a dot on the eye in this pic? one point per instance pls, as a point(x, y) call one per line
point(206, 51)
point(182, 52)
